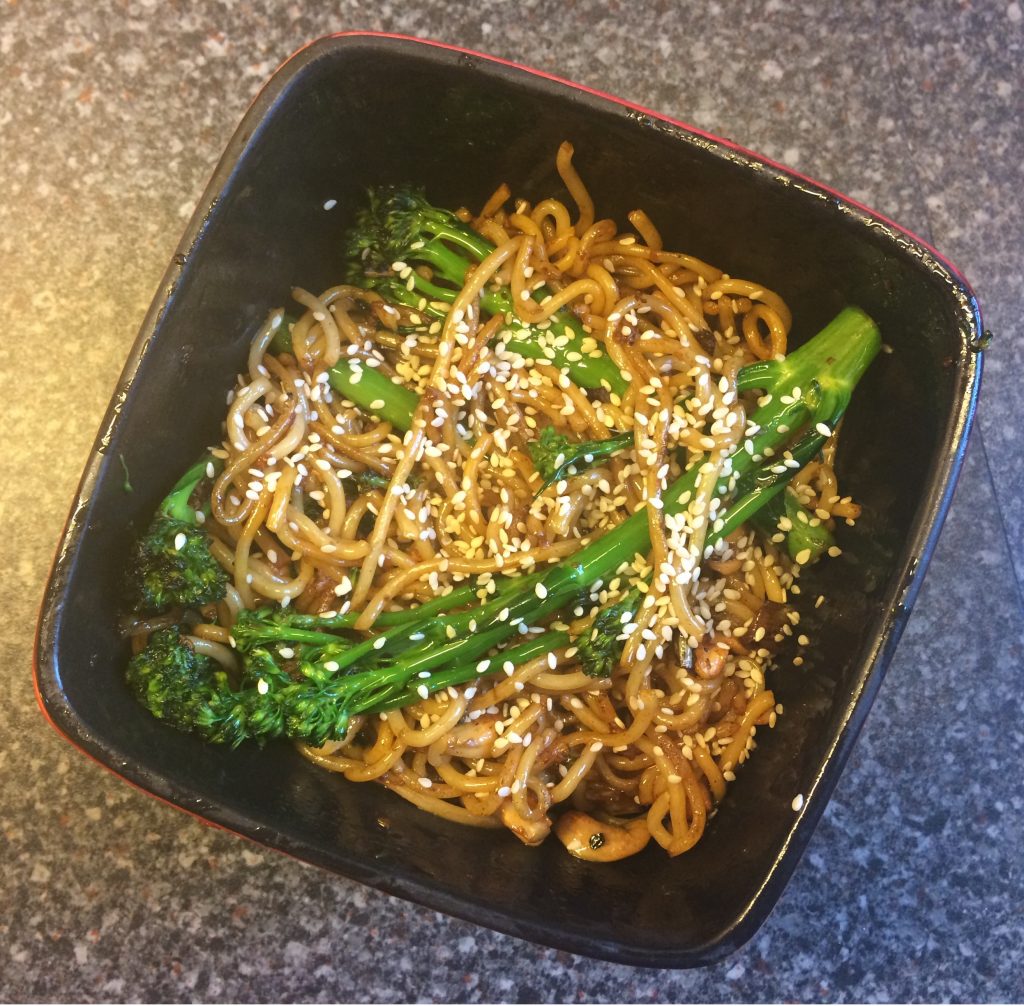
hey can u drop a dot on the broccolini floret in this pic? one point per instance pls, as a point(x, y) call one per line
point(171, 565)
point(557, 457)
point(600, 646)
point(172, 680)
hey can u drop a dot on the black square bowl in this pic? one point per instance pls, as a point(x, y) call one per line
point(359, 109)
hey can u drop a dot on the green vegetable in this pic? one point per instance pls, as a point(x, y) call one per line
point(365, 386)
point(173, 681)
point(369, 479)
point(334, 674)
point(265, 627)
point(171, 565)
point(373, 392)
point(804, 532)
point(127, 484)
point(186, 690)
point(601, 646)
point(556, 457)
point(400, 227)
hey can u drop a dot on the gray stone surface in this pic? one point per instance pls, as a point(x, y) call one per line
point(960, 77)
point(111, 118)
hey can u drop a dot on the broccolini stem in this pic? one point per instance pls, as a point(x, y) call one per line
point(546, 642)
point(373, 392)
point(460, 597)
point(593, 369)
point(804, 529)
point(175, 503)
point(370, 390)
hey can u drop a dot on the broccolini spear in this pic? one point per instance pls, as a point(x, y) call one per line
point(401, 228)
point(171, 565)
point(294, 692)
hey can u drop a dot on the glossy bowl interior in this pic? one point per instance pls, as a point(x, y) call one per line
point(355, 110)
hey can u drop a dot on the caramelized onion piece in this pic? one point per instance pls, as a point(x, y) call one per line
point(599, 842)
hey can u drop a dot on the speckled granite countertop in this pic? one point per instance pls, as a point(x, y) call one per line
point(111, 118)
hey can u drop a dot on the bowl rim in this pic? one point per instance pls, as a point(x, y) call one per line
point(921, 539)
